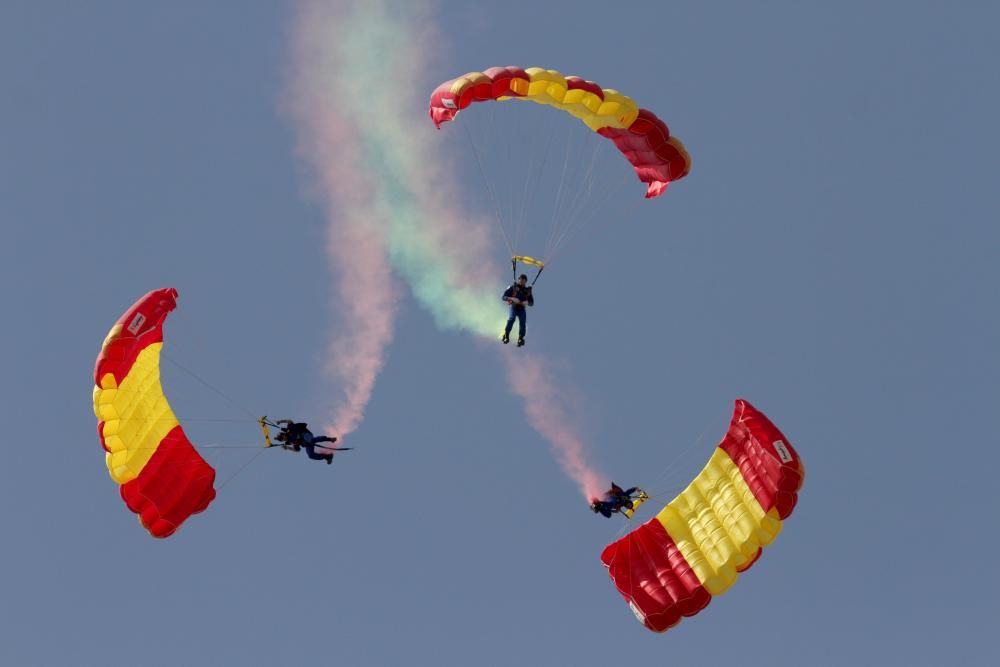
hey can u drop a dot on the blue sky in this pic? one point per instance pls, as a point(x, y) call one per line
point(830, 258)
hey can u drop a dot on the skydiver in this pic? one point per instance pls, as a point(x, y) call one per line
point(297, 436)
point(518, 295)
point(615, 500)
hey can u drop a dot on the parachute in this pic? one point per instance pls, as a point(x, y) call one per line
point(161, 476)
point(697, 545)
point(642, 138)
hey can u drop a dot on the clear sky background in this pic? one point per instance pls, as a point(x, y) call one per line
point(831, 258)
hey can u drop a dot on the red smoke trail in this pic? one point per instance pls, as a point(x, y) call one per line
point(355, 234)
point(547, 413)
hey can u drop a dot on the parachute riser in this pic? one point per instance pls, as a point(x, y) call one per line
point(264, 423)
point(630, 511)
point(530, 260)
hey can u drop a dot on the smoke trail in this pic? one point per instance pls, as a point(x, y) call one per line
point(543, 404)
point(364, 68)
point(355, 236)
point(368, 65)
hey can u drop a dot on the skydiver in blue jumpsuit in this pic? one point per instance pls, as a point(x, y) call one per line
point(518, 295)
point(296, 436)
point(615, 500)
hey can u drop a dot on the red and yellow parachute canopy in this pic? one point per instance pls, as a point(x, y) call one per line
point(162, 477)
point(644, 139)
point(695, 547)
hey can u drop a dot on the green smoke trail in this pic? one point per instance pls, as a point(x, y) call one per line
point(378, 60)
